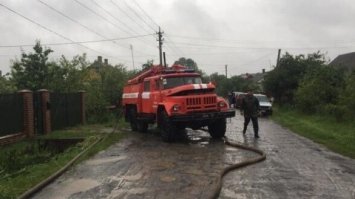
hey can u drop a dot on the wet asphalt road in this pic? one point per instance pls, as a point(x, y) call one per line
point(142, 166)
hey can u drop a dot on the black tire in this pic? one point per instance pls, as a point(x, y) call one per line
point(142, 126)
point(133, 119)
point(218, 128)
point(166, 127)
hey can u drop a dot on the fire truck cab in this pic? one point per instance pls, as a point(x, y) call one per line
point(175, 98)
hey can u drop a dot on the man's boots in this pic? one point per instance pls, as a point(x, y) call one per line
point(256, 134)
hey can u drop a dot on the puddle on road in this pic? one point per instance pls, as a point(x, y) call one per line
point(194, 138)
point(199, 138)
point(105, 160)
point(75, 187)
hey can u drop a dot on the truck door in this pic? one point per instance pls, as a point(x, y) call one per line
point(155, 94)
point(146, 97)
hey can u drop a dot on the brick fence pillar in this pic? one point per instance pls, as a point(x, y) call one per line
point(45, 108)
point(28, 120)
point(82, 106)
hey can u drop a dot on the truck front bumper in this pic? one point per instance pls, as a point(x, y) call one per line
point(203, 116)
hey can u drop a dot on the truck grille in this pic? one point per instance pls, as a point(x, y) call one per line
point(201, 102)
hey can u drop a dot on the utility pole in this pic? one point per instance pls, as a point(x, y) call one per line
point(226, 70)
point(134, 68)
point(278, 58)
point(160, 39)
point(164, 59)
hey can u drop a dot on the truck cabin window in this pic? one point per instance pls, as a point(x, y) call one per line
point(146, 86)
point(171, 82)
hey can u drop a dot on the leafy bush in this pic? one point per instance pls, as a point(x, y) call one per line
point(16, 158)
point(283, 81)
point(347, 98)
point(319, 89)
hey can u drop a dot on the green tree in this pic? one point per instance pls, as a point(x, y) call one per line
point(347, 98)
point(31, 71)
point(148, 64)
point(6, 85)
point(114, 78)
point(283, 81)
point(191, 64)
point(104, 87)
point(319, 89)
point(235, 83)
point(67, 75)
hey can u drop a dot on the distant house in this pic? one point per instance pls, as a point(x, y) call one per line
point(346, 61)
point(98, 64)
point(258, 78)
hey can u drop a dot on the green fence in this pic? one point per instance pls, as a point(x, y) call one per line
point(65, 110)
point(11, 114)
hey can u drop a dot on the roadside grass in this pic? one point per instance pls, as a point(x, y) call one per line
point(25, 164)
point(336, 136)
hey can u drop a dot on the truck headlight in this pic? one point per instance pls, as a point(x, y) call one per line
point(176, 108)
point(221, 104)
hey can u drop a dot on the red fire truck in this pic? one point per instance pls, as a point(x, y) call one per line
point(175, 98)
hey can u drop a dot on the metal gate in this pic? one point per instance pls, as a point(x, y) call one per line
point(37, 113)
point(65, 110)
point(11, 114)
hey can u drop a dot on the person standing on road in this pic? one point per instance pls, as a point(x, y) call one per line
point(231, 99)
point(250, 108)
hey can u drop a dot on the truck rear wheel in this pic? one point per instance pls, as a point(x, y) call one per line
point(133, 119)
point(217, 129)
point(167, 128)
point(142, 126)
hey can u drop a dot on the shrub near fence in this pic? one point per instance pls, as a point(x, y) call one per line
point(65, 110)
point(11, 114)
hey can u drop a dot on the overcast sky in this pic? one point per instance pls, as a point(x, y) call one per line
point(244, 34)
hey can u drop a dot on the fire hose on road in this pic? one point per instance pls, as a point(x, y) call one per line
point(244, 163)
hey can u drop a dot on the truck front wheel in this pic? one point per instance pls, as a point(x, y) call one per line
point(217, 129)
point(167, 128)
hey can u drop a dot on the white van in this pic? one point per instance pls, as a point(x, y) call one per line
point(265, 104)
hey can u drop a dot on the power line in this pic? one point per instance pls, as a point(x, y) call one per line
point(75, 21)
point(103, 18)
point(75, 42)
point(117, 19)
point(260, 48)
point(209, 40)
point(99, 15)
point(175, 48)
point(178, 50)
point(144, 12)
point(256, 60)
point(44, 27)
point(125, 13)
point(138, 15)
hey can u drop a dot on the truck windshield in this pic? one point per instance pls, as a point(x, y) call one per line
point(262, 98)
point(171, 82)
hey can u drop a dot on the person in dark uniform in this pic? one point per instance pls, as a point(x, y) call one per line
point(250, 108)
point(231, 100)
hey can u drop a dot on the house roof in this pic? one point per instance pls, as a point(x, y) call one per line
point(344, 61)
point(256, 77)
